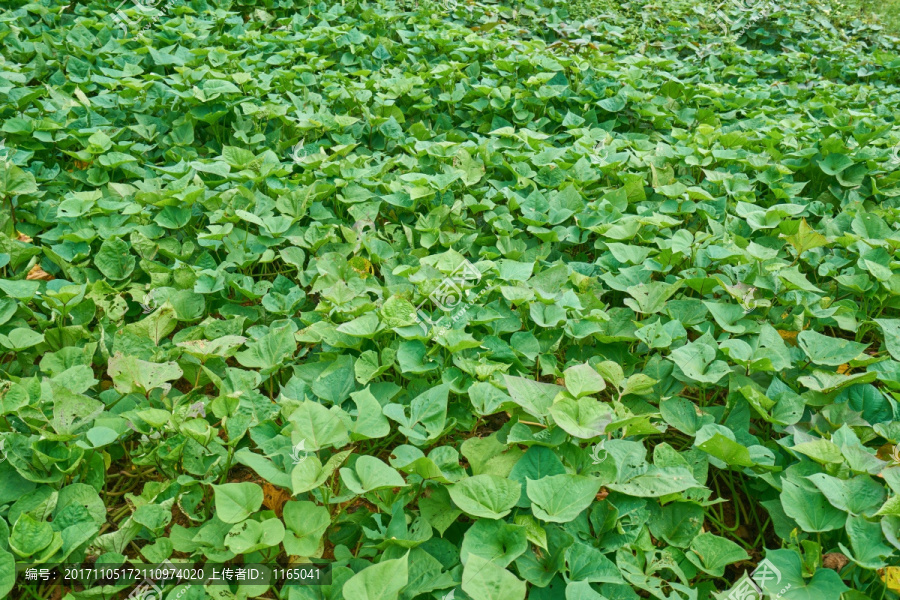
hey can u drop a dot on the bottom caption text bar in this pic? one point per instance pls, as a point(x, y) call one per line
point(96, 574)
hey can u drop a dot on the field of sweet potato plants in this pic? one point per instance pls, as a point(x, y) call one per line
point(449, 300)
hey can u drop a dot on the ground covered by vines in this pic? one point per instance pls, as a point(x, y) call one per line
point(572, 301)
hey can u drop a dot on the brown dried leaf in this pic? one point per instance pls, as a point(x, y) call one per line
point(274, 498)
point(884, 451)
point(835, 561)
point(37, 272)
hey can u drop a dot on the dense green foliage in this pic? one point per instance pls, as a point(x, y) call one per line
point(885, 13)
point(469, 300)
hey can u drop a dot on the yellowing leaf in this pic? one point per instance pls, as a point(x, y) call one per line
point(891, 578)
point(362, 266)
point(789, 336)
point(806, 238)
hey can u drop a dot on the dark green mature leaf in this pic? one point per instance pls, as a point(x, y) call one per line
point(482, 579)
point(825, 584)
point(237, 501)
point(535, 397)
point(582, 380)
point(369, 474)
point(130, 374)
point(891, 328)
point(382, 581)
point(561, 498)
point(712, 554)
point(656, 481)
point(824, 350)
point(496, 541)
point(487, 496)
point(697, 360)
point(115, 260)
point(810, 509)
point(14, 181)
point(860, 495)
